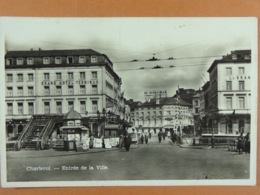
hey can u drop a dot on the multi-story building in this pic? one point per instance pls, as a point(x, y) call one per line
point(185, 94)
point(196, 110)
point(166, 114)
point(155, 94)
point(230, 93)
point(204, 107)
point(57, 81)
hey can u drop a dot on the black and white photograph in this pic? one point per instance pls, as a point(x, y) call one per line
point(141, 101)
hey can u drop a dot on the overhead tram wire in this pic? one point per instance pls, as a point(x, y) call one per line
point(161, 67)
point(167, 59)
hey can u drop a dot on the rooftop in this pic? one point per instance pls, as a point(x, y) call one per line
point(240, 57)
point(72, 115)
point(49, 53)
point(165, 101)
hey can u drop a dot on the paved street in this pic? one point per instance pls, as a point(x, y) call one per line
point(152, 161)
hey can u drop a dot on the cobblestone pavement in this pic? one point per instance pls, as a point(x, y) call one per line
point(152, 161)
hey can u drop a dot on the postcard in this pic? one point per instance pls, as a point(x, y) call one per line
point(169, 101)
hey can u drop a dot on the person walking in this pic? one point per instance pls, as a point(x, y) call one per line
point(127, 141)
point(240, 144)
point(146, 138)
point(91, 141)
point(121, 141)
point(142, 138)
point(160, 136)
point(174, 137)
point(163, 135)
point(247, 143)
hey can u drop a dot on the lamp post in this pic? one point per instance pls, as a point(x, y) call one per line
point(98, 117)
point(104, 121)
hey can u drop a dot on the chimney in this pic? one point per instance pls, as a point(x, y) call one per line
point(40, 49)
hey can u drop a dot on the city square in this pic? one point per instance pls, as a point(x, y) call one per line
point(152, 161)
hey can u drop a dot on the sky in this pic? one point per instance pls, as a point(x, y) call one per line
point(190, 41)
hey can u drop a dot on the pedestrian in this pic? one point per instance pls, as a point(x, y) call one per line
point(103, 141)
point(247, 143)
point(240, 144)
point(146, 138)
point(163, 135)
point(150, 135)
point(169, 134)
point(121, 141)
point(174, 137)
point(160, 136)
point(91, 141)
point(142, 138)
point(127, 141)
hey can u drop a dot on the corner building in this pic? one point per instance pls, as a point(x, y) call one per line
point(57, 81)
point(166, 114)
point(229, 110)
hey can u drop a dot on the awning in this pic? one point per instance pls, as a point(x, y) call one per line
point(112, 127)
point(74, 128)
point(168, 126)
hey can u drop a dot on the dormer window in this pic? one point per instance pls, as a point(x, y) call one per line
point(70, 60)
point(82, 59)
point(234, 56)
point(30, 61)
point(247, 57)
point(57, 60)
point(93, 59)
point(19, 61)
point(9, 61)
point(46, 60)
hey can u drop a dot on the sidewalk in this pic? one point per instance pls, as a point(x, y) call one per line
point(55, 153)
point(194, 147)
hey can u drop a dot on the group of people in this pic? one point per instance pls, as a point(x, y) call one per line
point(125, 141)
point(243, 144)
point(171, 135)
point(161, 135)
point(144, 138)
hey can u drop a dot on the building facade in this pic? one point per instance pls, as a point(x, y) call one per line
point(196, 111)
point(166, 114)
point(57, 81)
point(230, 94)
point(155, 94)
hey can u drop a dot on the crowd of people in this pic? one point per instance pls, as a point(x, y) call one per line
point(243, 144)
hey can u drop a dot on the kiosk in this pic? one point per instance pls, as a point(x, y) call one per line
point(73, 135)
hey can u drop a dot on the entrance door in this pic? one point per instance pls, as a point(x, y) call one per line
point(10, 130)
point(20, 129)
point(241, 126)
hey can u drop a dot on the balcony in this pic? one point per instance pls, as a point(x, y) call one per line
point(93, 81)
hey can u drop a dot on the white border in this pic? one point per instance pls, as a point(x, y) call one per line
point(222, 182)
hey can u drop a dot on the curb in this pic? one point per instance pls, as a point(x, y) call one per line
point(194, 147)
point(67, 153)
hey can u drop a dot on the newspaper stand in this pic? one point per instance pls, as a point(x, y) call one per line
point(75, 136)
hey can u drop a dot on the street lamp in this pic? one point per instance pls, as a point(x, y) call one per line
point(98, 117)
point(104, 121)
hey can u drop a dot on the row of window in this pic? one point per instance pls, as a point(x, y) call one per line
point(48, 109)
point(153, 122)
point(241, 70)
point(241, 85)
point(241, 102)
point(160, 113)
point(47, 60)
point(58, 90)
point(20, 77)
